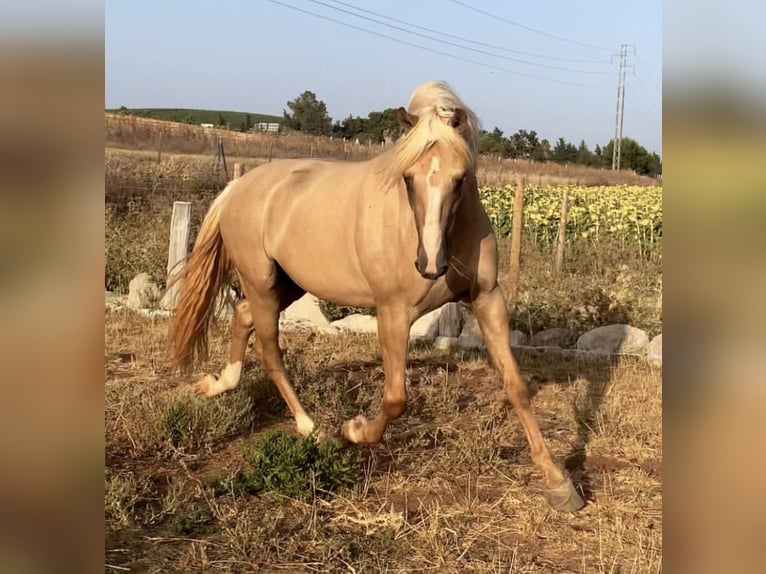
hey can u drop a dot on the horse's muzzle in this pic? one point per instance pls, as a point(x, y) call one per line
point(432, 276)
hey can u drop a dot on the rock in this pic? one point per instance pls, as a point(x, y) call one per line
point(450, 320)
point(306, 309)
point(445, 321)
point(654, 351)
point(357, 324)
point(555, 337)
point(518, 338)
point(143, 293)
point(427, 326)
point(614, 339)
point(470, 335)
point(446, 343)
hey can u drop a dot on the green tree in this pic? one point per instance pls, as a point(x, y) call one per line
point(222, 121)
point(247, 124)
point(634, 156)
point(308, 115)
point(493, 142)
point(564, 152)
point(542, 151)
point(524, 144)
point(380, 123)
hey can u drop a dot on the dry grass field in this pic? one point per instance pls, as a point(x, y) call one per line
point(450, 489)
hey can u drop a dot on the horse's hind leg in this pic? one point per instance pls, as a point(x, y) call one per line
point(265, 305)
point(241, 329)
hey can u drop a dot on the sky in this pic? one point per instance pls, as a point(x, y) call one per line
point(256, 55)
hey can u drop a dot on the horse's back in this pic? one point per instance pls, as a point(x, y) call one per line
point(302, 214)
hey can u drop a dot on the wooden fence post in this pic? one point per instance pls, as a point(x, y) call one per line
point(159, 149)
point(271, 151)
point(178, 249)
point(515, 255)
point(562, 238)
point(238, 170)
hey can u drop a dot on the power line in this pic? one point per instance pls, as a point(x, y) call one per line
point(529, 28)
point(448, 43)
point(427, 49)
point(648, 113)
point(646, 91)
point(648, 75)
point(469, 40)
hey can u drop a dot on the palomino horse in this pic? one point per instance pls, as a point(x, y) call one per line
point(348, 232)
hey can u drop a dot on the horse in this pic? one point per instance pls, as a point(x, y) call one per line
point(347, 232)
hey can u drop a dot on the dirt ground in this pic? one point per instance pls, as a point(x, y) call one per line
point(450, 489)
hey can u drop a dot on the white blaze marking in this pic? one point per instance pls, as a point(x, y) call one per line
point(432, 233)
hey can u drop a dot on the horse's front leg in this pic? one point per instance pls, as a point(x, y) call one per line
point(393, 333)
point(490, 310)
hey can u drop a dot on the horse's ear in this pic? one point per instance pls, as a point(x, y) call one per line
point(460, 121)
point(406, 120)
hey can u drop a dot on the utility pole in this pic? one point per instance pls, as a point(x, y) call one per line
point(616, 148)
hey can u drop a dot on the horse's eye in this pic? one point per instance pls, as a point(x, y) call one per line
point(459, 183)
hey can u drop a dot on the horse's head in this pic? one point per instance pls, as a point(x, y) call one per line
point(435, 185)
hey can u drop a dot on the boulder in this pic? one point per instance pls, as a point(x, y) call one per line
point(654, 351)
point(306, 309)
point(470, 335)
point(614, 339)
point(518, 338)
point(446, 343)
point(555, 337)
point(357, 324)
point(427, 326)
point(143, 293)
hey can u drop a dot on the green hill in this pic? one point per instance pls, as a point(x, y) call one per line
point(189, 116)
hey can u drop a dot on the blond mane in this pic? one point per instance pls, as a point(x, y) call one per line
point(435, 103)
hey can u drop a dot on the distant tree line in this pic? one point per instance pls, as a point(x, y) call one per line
point(309, 115)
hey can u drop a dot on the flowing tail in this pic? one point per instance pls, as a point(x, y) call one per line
point(204, 274)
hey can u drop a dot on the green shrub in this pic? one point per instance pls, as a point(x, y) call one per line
point(297, 467)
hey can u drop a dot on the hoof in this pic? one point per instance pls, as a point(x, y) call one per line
point(353, 430)
point(564, 498)
point(206, 386)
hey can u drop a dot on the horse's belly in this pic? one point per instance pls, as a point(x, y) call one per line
point(327, 280)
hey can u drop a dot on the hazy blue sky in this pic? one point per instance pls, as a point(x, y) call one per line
point(256, 55)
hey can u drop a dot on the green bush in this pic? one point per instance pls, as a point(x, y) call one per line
point(297, 467)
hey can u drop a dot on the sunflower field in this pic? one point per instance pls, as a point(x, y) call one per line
point(630, 215)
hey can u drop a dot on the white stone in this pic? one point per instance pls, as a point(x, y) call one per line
point(614, 339)
point(427, 326)
point(654, 351)
point(143, 293)
point(306, 309)
point(470, 335)
point(357, 324)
